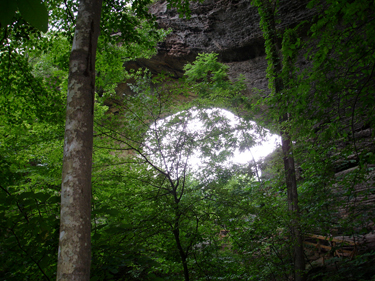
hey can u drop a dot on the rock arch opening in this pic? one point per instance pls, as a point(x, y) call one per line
point(200, 140)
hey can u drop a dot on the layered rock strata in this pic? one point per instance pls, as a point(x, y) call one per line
point(227, 27)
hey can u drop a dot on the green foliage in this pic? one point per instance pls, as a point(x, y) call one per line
point(130, 22)
point(360, 268)
point(208, 69)
point(147, 198)
point(165, 211)
point(183, 7)
point(208, 79)
point(33, 86)
point(338, 85)
point(31, 134)
point(31, 153)
point(328, 99)
point(111, 58)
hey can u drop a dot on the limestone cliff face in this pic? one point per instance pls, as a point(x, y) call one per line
point(228, 27)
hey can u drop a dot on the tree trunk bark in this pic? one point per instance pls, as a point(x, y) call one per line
point(266, 11)
point(74, 255)
point(291, 183)
point(176, 233)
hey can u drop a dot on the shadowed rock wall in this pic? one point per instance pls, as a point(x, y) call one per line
point(228, 27)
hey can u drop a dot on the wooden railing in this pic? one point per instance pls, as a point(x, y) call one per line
point(341, 247)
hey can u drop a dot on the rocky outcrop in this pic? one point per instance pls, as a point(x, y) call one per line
point(228, 27)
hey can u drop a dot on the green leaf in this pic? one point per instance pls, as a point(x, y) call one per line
point(7, 10)
point(54, 199)
point(42, 196)
point(35, 13)
point(28, 194)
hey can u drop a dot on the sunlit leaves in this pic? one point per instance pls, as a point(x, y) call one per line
point(209, 79)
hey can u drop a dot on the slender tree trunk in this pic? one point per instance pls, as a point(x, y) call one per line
point(291, 183)
point(176, 233)
point(74, 256)
point(266, 10)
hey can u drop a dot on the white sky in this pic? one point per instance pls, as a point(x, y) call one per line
point(269, 143)
point(259, 151)
point(266, 145)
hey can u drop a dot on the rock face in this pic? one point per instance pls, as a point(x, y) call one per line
point(228, 27)
point(231, 28)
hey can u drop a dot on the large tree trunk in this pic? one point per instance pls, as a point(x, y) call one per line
point(74, 254)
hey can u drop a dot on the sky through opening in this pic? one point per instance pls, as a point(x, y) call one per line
point(192, 127)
